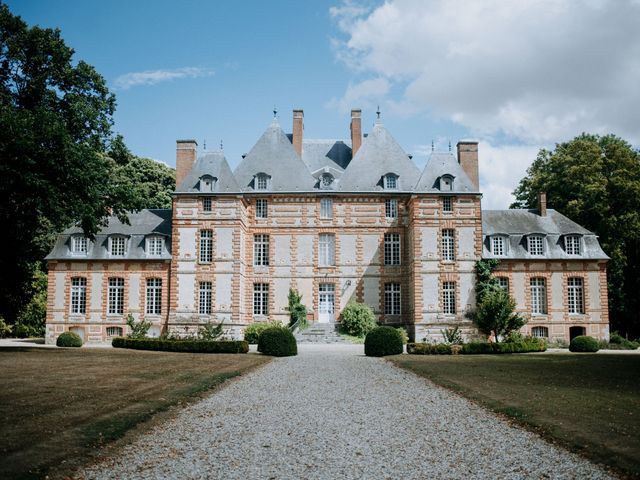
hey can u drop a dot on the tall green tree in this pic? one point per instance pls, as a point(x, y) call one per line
point(595, 181)
point(153, 181)
point(59, 161)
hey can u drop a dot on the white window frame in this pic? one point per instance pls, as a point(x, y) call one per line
point(207, 183)
point(498, 245)
point(207, 204)
point(448, 245)
point(155, 246)
point(260, 299)
point(205, 292)
point(390, 182)
point(79, 295)
point(115, 296)
point(503, 283)
point(261, 250)
point(538, 288)
point(540, 332)
point(392, 249)
point(326, 250)
point(117, 246)
point(115, 331)
point(326, 208)
point(535, 245)
point(449, 298)
point(392, 299)
point(573, 244)
point(79, 245)
point(262, 208)
point(154, 296)
point(447, 204)
point(206, 246)
point(262, 181)
point(575, 295)
point(391, 208)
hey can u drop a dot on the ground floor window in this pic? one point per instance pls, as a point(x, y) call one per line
point(114, 331)
point(78, 295)
point(392, 299)
point(154, 296)
point(205, 298)
point(260, 298)
point(540, 332)
point(116, 296)
point(449, 297)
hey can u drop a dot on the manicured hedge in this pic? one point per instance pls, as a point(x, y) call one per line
point(584, 343)
point(383, 341)
point(524, 346)
point(278, 342)
point(429, 349)
point(193, 346)
point(69, 339)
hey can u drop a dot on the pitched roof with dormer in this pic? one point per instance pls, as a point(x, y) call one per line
point(441, 164)
point(215, 165)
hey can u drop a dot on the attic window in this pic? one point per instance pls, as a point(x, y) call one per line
point(535, 244)
point(79, 245)
point(117, 246)
point(390, 181)
point(155, 246)
point(572, 244)
point(446, 183)
point(498, 246)
point(261, 181)
point(207, 182)
point(326, 181)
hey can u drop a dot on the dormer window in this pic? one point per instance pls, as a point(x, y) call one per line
point(572, 244)
point(390, 181)
point(446, 183)
point(155, 246)
point(498, 246)
point(261, 181)
point(79, 245)
point(535, 244)
point(207, 183)
point(326, 181)
point(117, 246)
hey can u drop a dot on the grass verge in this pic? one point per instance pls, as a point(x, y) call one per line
point(587, 403)
point(59, 406)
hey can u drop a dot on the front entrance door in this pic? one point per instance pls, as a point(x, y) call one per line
point(327, 302)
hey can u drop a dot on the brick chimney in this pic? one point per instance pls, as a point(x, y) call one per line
point(298, 131)
point(356, 131)
point(542, 204)
point(468, 160)
point(186, 151)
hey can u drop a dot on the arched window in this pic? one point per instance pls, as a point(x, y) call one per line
point(261, 181)
point(207, 183)
point(446, 182)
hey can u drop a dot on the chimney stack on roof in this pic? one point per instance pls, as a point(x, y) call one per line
point(468, 160)
point(542, 204)
point(356, 131)
point(298, 131)
point(186, 152)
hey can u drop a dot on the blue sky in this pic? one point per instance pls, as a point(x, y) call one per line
point(517, 76)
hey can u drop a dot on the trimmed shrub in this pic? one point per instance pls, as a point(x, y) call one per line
point(357, 320)
point(429, 349)
point(69, 339)
point(253, 331)
point(584, 343)
point(618, 342)
point(523, 346)
point(277, 342)
point(176, 345)
point(383, 341)
point(403, 334)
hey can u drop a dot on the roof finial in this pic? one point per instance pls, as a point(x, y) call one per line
point(275, 111)
point(433, 147)
point(378, 112)
point(204, 144)
point(449, 145)
point(220, 144)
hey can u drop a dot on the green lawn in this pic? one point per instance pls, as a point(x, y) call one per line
point(588, 403)
point(58, 406)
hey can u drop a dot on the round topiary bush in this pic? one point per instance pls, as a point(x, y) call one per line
point(584, 343)
point(253, 331)
point(383, 341)
point(278, 342)
point(69, 339)
point(357, 320)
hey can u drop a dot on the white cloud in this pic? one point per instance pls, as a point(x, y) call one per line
point(364, 94)
point(152, 77)
point(537, 71)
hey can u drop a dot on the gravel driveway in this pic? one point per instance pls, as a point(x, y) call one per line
point(332, 413)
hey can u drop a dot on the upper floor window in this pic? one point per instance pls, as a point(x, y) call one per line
point(446, 183)
point(261, 208)
point(327, 250)
point(207, 183)
point(572, 244)
point(447, 204)
point(448, 245)
point(262, 181)
point(206, 204)
point(392, 249)
point(206, 246)
point(326, 181)
point(78, 295)
point(538, 296)
point(535, 244)
point(326, 208)
point(498, 246)
point(390, 181)
point(117, 246)
point(79, 244)
point(261, 250)
point(449, 297)
point(575, 295)
point(155, 246)
point(391, 208)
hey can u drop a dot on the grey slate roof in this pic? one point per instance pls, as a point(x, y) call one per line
point(517, 224)
point(444, 163)
point(143, 224)
point(274, 155)
point(214, 164)
point(378, 155)
point(317, 154)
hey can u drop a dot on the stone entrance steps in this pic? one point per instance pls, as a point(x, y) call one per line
point(319, 333)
